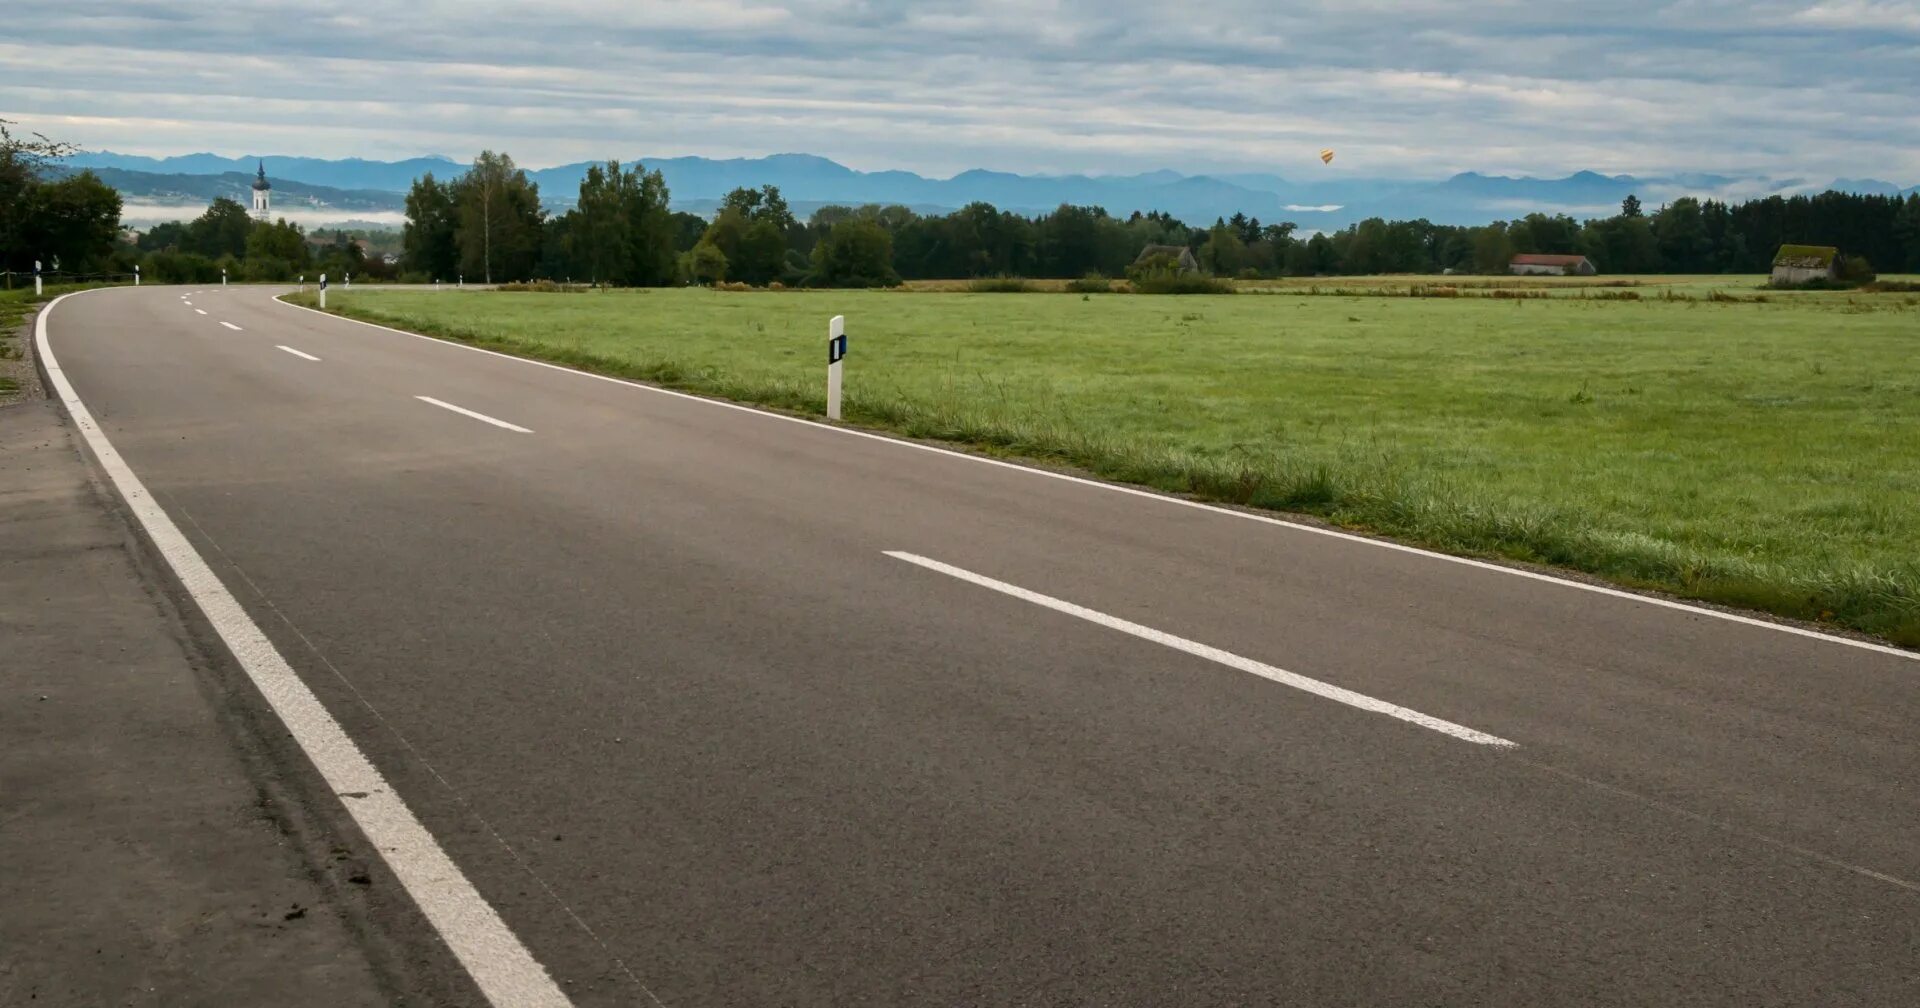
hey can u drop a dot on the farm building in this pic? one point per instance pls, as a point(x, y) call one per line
point(1795, 264)
point(1181, 255)
point(1528, 264)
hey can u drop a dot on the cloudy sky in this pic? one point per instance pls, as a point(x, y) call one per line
point(1415, 88)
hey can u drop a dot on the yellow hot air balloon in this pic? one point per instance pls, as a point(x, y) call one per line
point(1326, 156)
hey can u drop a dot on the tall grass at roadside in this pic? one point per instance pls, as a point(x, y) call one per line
point(1001, 285)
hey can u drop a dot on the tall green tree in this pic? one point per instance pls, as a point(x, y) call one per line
point(162, 236)
point(858, 252)
point(276, 251)
point(429, 243)
point(221, 231)
point(74, 221)
point(1681, 231)
point(1492, 249)
point(754, 229)
point(24, 162)
point(621, 231)
point(498, 220)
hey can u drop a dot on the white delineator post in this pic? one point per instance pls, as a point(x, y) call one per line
point(36, 278)
point(136, 276)
point(323, 291)
point(223, 276)
point(836, 357)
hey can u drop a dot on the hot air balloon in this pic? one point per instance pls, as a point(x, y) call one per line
point(1326, 156)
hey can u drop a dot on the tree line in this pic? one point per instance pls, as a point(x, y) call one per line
point(488, 224)
point(72, 221)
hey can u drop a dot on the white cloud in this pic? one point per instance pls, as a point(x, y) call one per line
point(1401, 87)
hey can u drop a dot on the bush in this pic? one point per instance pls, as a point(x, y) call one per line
point(1001, 285)
point(537, 287)
point(1892, 287)
point(1095, 282)
point(857, 252)
point(181, 268)
point(1856, 270)
point(1161, 274)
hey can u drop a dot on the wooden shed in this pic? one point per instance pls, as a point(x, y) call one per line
point(1797, 264)
point(1182, 256)
point(1529, 264)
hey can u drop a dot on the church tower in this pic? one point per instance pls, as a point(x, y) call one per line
point(262, 193)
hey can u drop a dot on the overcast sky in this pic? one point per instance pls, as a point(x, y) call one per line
point(1410, 88)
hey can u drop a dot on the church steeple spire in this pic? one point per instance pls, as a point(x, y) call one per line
point(262, 192)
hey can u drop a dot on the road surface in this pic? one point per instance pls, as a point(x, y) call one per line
point(708, 707)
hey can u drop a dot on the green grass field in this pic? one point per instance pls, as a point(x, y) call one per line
point(1757, 454)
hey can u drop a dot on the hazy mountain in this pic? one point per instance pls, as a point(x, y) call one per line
point(350, 173)
point(1869, 187)
point(1320, 201)
point(154, 187)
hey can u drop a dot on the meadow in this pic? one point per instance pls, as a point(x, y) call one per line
point(1756, 452)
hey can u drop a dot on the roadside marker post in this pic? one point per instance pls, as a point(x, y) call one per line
point(303, 283)
point(136, 276)
point(323, 292)
point(36, 278)
point(836, 358)
point(349, 282)
point(223, 276)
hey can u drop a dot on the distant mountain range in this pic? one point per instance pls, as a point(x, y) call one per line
point(156, 187)
point(808, 182)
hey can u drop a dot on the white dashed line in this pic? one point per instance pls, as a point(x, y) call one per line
point(463, 411)
point(298, 353)
point(1263, 670)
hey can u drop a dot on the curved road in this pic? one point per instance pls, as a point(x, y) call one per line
point(718, 708)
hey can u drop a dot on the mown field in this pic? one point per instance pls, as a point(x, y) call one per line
point(1763, 454)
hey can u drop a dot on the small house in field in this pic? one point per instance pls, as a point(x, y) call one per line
point(1182, 256)
point(1797, 264)
point(1528, 264)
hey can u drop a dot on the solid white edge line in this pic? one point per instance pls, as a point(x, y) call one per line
point(297, 353)
point(1306, 684)
point(231, 326)
point(482, 417)
point(1164, 498)
point(506, 972)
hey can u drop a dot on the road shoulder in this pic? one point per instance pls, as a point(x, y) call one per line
point(145, 860)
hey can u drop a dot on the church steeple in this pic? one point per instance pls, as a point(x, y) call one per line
point(262, 192)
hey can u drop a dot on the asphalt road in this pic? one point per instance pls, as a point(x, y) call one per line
point(649, 671)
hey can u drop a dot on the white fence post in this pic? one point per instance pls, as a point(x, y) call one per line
point(836, 356)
